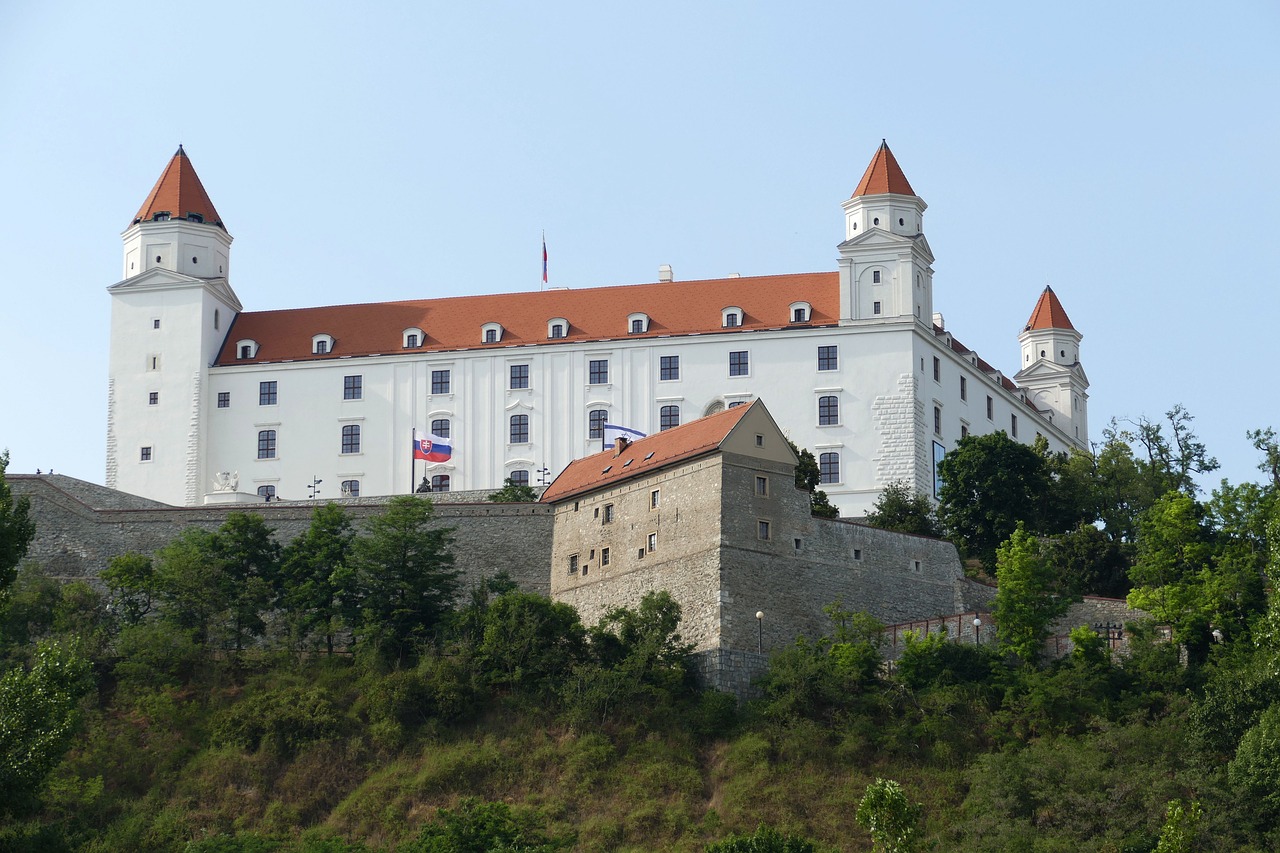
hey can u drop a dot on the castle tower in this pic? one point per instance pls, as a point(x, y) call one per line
point(169, 316)
point(886, 271)
point(1051, 372)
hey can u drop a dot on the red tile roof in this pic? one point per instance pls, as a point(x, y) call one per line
point(1049, 313)
point(674, 308)
point(884, 175)
point(178, 193)
point(645, 455)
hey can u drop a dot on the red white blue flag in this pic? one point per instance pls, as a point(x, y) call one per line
point(544, 258)
point(432, 448)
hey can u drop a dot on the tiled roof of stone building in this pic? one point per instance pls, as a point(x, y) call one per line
point(645, 455)
point(884, 175)
point(179, 193)
point(597, 313)
point(1049, 313)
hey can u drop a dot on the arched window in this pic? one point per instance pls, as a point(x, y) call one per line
point(801, 312)
point(321, 344)
point(828, 411)
point(669, 417)
point(519, 429)
point(267, 493)
point(351, 438)
point(829, 468)
point(637, 323)
point(595, 423)
point(520, 477)
point(557, 327)
point(413, 337)
point(267, 444)
point(440, 427)
point(440, 483)
point(492, 332)
point(351, 488)
point(731, 317)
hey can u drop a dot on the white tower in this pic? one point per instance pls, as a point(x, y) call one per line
point(886, 268)
point(1051, 372)
point(169, 317)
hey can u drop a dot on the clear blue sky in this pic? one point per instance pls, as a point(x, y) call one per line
point(1126, 153)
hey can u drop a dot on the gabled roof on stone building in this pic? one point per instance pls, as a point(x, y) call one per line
point(646, 455)
point(1049, 313)
point(883, 175)
point(179, 193)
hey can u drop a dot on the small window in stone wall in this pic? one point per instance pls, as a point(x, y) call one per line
point(762, 530)
point(915, 565)
point(652, 543)
point(762, 486)
point(604, 556)
point(573, 564)
point(857, 553)
point(608, 513)
point(799, 543)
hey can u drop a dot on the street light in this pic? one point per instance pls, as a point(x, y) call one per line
point(760, 631)
point(977, 631)
point(314, 488)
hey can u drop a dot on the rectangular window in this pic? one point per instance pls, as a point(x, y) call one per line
point(440, 483)
point(519, 429)
point(595, 423)
point(762, 486)
point(668, 417)
point(519, 376)
point(857, 553)
point(937, 421)
point(828, 358)
point(155, 324)
point(604, 556)
point(266, 393)
point(351, 438)
point(439, 382)
point(875, 276)
point(738, 364)
point(224, 399)
point(875, 307)
point(1013, 425)
point(322, 347)
point(598, 371)
point(573, 564)
point(440, 427)
point(653, 499)
point(652, 544)
point(964, 388)
point(937, 369)
point(608, 514)
point(637, 327)
point(762, 529)
point(352, 387)
point(153, 398)
point(991, 409)
point(829, 468)
point(828, 410)
point(964, 430)
point(267, 444)
point(520, 477)
point(350, 489)
point(145, 455)
point(669, 367)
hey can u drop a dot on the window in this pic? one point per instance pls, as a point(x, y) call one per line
point(322, 347)
point(520, 477)
point(738, 364)
point(411, 341)
point(799, 543)
point(857, 553)
point(828, 410)
point(829, 467)
point(653, 499)
point(267, 493)
point(651, 544)
point(828, 358)
point(246, 351)
point(519, 376)
point(266, 393)
point(153, 398)
point(490, 336)
point(598, 371)
point(1013, 425)
point(351, 438)
point(519, 429)
point(557, 330)
point(937, 420)
point(608, 514)
point(799, 315)
point(964, 430)
point(195, 217)
point(668, 417)
point(595, 423)
point(875, 276)
point(731, 320)
point(267, 444)
point(604, 556)
point(990, 409)
point(350, 488)
point(439, 382)
point(759, 440)
point(145, 454)
point(637, 327)
point(216, 316)
point(762, 530)
point(573, 564)
point(155, 324)
point(964, 388)
point(669, 367)
point(762, 486)
point(440, 483)
point(875, 308)
point(352, 387)
point(440, 427)
point(413, 337)
point(937, 369)
point(224, 399)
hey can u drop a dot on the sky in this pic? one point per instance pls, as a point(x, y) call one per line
point(1124, 153)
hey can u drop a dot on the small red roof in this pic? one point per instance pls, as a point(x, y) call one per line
point(179, 193)
point(1049, 313)
point(644, 455)
point(884, 175)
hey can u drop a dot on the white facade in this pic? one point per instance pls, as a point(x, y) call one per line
point(893, 394)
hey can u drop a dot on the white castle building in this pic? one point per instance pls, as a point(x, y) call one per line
point(209, 402)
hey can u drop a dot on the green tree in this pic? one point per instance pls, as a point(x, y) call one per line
point(808, 477)
point(765, 839)
point(1264, 440)
point(16, 528)
point(1172, 457)
point(1088, 562)
point(406, 577)
point(250, 561)
point(1028, 596)
point(190, 586)
point(990, 484)
point(1181, 828)
point(514, 493)
point(318, 591)
point(892, 819)
point(1255, 771)
point(480, 827)
point(899, 508)
point(131, 583)
point(530, 642)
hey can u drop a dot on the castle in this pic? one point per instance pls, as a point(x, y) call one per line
point(210, 403)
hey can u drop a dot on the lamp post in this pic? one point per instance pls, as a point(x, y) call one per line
point(760, 631)
point(314, 488)
point(977, 631)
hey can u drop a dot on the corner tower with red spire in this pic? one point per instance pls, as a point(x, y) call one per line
point(177, 227)
point(1051, 372)
point(886, 272)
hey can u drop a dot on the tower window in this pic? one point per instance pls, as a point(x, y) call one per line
point(875, 221)
point(828, 411)
point(153, 398)
point(937, 421)
point(160, 216)
point(875, 274)
point(964, 388)
point(762, 530)
point(937, 369)
point(145, 454)
point(991, 409)
point(900, 222)
point(1013, 425)
point(762, 486)
point(194, 217)
point(224, 399)
point(875, 308)
point(155, 324)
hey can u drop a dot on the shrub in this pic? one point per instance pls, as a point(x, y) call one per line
point(280, 721)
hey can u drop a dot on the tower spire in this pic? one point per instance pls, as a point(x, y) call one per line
point(178, 194)
point(883, 175)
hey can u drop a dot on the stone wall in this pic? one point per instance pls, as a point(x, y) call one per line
point(80, 527)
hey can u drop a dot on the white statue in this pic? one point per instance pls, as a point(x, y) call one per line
point(226, 481)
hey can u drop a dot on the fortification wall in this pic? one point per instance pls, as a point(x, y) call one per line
point(81, 527)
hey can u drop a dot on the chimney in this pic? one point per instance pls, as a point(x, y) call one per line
point(619, 445)
point(665, 274)
point(939, 321)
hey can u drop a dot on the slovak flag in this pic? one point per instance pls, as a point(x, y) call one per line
point(544, 258)
point(432, 448)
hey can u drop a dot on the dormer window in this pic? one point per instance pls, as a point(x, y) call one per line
point(800, 312)
point(194, 217)
point(491, 332)
point(557, 327)
point(246, 349)
point(637, 324)
point(160, 216)
point(321, 344)
point(731, 317)
point(414, 338)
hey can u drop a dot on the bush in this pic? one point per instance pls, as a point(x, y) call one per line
point(280, 721)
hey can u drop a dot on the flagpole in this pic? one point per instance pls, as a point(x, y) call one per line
point(544, 261)
point(413, 459)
